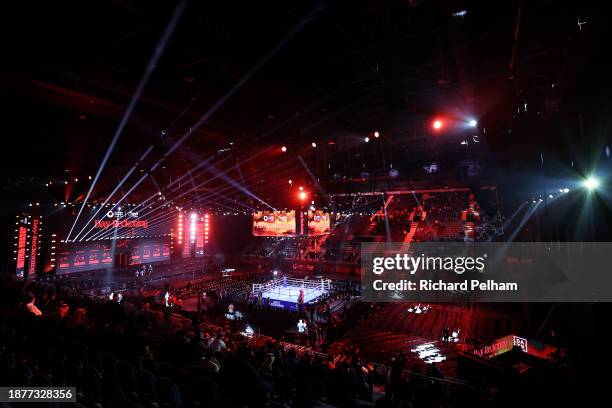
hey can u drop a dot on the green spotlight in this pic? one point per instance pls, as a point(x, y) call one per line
point(591, 183)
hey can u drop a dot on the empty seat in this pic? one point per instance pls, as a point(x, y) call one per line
point(168, 394)
point(146, 384)
point(113, 395)
point(127, 376)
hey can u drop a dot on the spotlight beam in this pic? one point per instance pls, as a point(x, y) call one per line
point(148, 200)
point(245, 78)
point(168, 214)
point(526, 218)
point(123, 180)
point(159, 49)
point(144, 176)
point(145, 202)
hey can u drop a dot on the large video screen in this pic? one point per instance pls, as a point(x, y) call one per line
point(84, 257)
point(149, 251)
point(319, 222)
point(274, 223)
point(80, 256)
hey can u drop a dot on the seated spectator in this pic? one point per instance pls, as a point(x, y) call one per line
point(30, 306)
point(218, 344)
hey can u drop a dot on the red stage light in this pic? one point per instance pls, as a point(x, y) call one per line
point(437, 124)
point(284, 148)
point(303, 195)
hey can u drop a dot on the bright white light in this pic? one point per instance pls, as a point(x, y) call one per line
point(284, 148)
point(429, 353)
point(313, 144)
point(367, 139)
point(473, 122)
point(193, 227)
point(376, 134)
point(566, 190)
point(591, 183)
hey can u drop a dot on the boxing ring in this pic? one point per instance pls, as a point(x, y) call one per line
point(284, 292)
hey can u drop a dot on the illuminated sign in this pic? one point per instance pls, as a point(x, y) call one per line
point(33, 247)
point(103, 224)
point(521, 343)
point(500, 346)
point(507, 343)
point(120, 214)
point(21, 251)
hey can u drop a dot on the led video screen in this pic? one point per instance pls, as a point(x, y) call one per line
point(84, 257)
point(319, 222)
point(149, 251)
point(80, 256)
point(274, 223)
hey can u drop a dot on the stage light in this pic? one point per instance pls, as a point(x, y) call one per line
point(192, 227)
point(591, 183)
point(367, 139)
point(566, 190)
point(284, 148)
point(376, 134)
point(437, 124)
point(314, 144)
point(290, 181)
point(302, 195)
point(301, 188)
point(473, 122)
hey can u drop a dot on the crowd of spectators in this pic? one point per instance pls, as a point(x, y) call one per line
point(135, 354)
point(132, 355)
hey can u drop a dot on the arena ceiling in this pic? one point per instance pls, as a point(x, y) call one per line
point(281, 73)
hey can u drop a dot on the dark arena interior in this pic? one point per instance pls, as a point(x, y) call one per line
point(322, 203)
